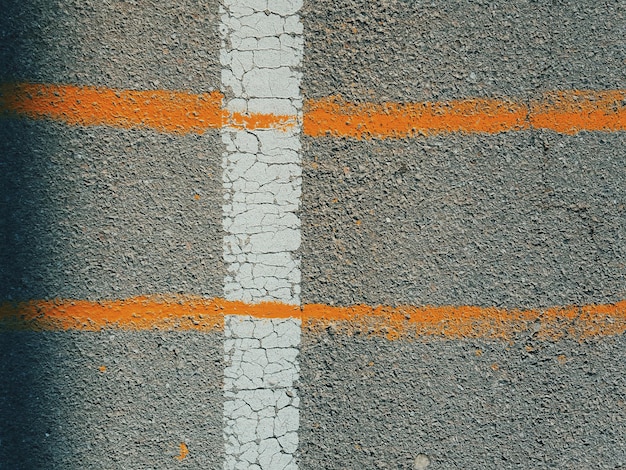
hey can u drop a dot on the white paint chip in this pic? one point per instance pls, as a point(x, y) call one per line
point(262, 49)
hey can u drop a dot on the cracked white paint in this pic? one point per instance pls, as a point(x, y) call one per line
point(261, 406)
point(262, 48)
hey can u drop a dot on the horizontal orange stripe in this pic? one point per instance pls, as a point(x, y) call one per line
point(193, 313)
point(569, 112)
point(457, 322)
point(138, 313)
point(566, 112)
point(333, 116)
point(166, 111)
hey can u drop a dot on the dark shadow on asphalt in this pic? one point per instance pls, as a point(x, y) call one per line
point(25, 408)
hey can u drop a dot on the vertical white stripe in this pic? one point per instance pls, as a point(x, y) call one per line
point(262, 49)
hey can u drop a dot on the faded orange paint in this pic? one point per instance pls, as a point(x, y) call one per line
point(260, 121)
point(194, 313)
point(336, 117)
point(137, 313)
point(566, 112)
point(184, 451)
point(174, 112)
point(457, 322)
point(569, 112)
point(180, 112)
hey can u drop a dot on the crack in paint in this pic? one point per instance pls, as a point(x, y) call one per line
point(261, 415)
point(262, 178)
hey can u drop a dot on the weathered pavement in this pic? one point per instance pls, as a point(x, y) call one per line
point(522, 219)
point(101, 212)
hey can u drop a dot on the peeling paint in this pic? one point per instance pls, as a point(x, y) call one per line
point(261, 51)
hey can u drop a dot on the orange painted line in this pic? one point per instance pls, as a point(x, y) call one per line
point(566, 112)
point(259, 121)
point(569, 112)
point(193, 313)
point(335, 117)
point(138, 313)
point(179, 112)
point(458, 322)
point(166, 111)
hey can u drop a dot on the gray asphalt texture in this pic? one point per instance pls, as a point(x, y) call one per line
point(142, 45)
point(524, 219)
point(101, 213)
point(105, 213)
point(527, 219)
point(377, 404)
point(59, 411)
point(404, 50)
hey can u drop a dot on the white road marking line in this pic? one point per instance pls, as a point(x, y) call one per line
point(262, 47)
